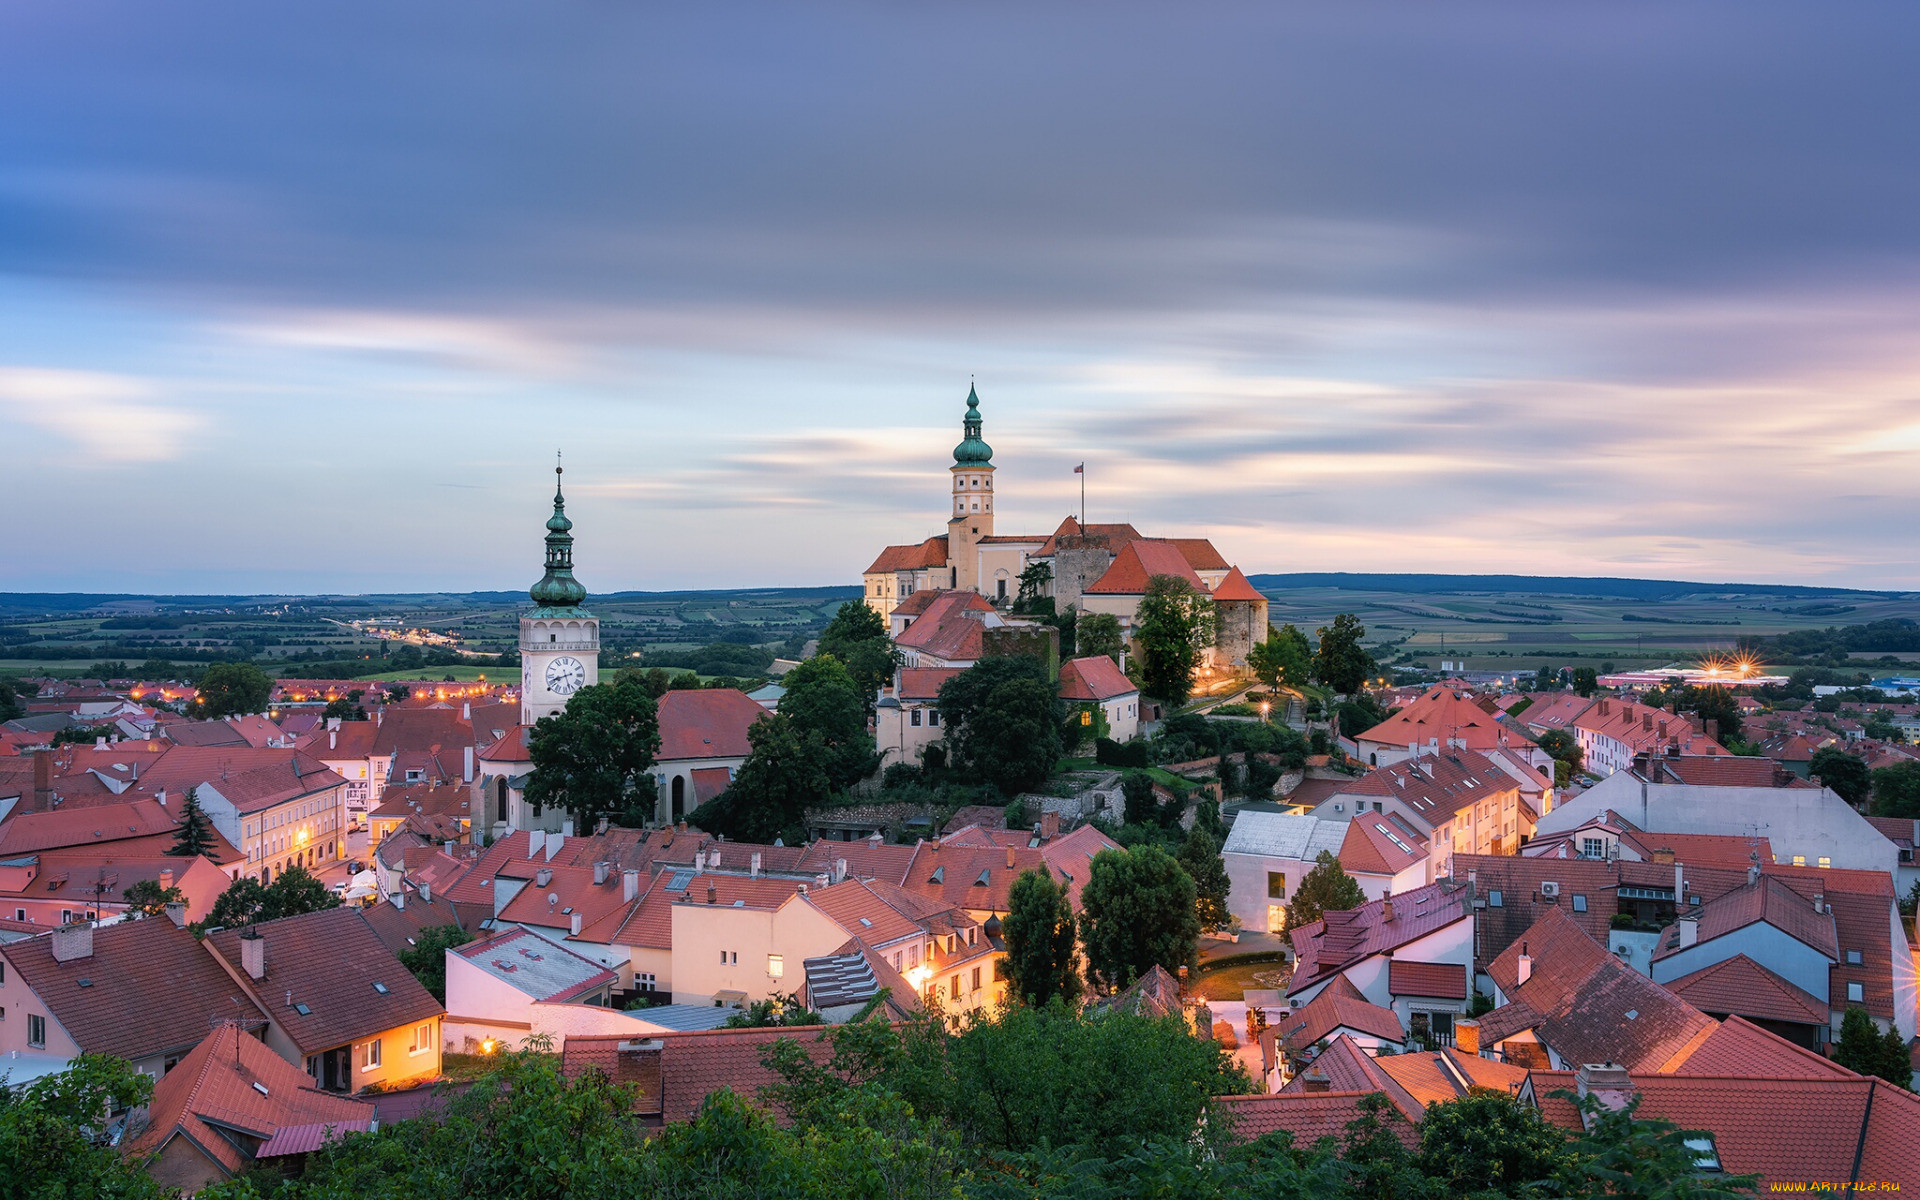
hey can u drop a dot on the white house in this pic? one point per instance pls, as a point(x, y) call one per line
point(1411, 953)
point(1267, 855)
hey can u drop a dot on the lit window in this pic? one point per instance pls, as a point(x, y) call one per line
point(1799, 860)
point(776, 965)
point(373, 1054)
point(1276, 885)
point(1857, 992)
point(1825, 862)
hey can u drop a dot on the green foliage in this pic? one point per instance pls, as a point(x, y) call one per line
point(1358, 713)
point(52, 1141)
point(1139, 804)
point(1086, 721)
point(785, 774)
point(1341, 663)
point(1326, 888)
point(83, 735)
point(857, 637)
point(1863, 1048)
point(10, 707)
point(826, 704)
point(1098, 633)
point(1848, 776)
point(1138, 908)
point(247, 901)
point(146, 898)
point(715, 658)
point(1896, 790)
point(1642, 1159)
point(228, 689)
point(1487, 1143)
point(592, 757)
point(1109, 753)
point(1284, 660)
point(1713, 703)
point(1000, 719)
point(195, 834)
point(1563, 747)
point(1032, 598)
point(1040, 929)
point(427, 957)
point(1200, 857)
point(1171, 633)
point(779, 1009)
point(1585, 681)
point(344, 709)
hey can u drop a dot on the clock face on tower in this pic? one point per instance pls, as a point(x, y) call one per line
point(565, 675)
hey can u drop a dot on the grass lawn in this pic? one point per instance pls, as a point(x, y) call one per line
point(1227, 982)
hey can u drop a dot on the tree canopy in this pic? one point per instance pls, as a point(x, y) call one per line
point(195, 835)
point(247, 901)
point(857, 637)
point(824, 702)
point(784, 775)
point(1040, 930)
point(146, 898)
point(1283, 660)
point(592, 757)
point(1326, 888)
point(1848, 776)
point(231, 689)
point(1098, 633)
point(427, 957)
point(1001, 722)
point(1863, 1048)
point(1200, 858)
point(1138, 909)
point(1341, 662)
point(1171, 634)
point(1896, 790)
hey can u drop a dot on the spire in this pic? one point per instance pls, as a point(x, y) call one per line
point(558, 588)
point(972, 452)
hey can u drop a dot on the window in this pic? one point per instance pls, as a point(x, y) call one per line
point(915, 718)
point(1495, 899)
point(19, 914)
point(644, 980)
point(423, 1037)
point(1276, 885)
point(976, 987)
point(933, 716)
point(1579, 903)
point(953, 987)
point(1825, 862)
point(373, 1055)
point(66, 916)
point(1705, 1156)
point(36, 1030)
point(1853, 958)
point(1799, 860)
point(1857, 992)
point(1086, 716)
point(776, 965)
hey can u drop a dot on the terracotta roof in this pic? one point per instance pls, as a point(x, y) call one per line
point(951, 628)
point(1741, 986)
point(972, 877)
point(330, 960)
point(230, 1089)
point(568, 890)
point(1554, 711)
point(707, 723)
point(399, 927)
point(862, 911)
point(694, 1065)
point(1236, 588)
point(25, 833)
point(511, 746)
point(915, 557)
point(651, 923)
point(923, 683)
point(1767, 899)
point(1340, 939)
point(1376, 846)
point(1434, 1077)
point(536, 967)
point(1739, 1046)
point(1307, 1116)
point(1714, 770)
point(1522, 902)
point(1071, 857)
point(865, 859)
point(1642, 728)
point(1446, 981)
point(1340, 1006)
point(1107, 536)
point(1732, 851)
point(151, 989)
point(1136, 565)
point(1347, 1066)
point(1901, 831)
point(1444, 714)
point(1095, 678)
point(914, 605)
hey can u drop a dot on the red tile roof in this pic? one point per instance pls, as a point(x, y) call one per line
point(1339, 1006)
point(1376, 846)
point(101, 824)
point(915, 557)
point(1741, 986)
point(1307, 1116)
point(1554, 711)
point(1136, 565)
point(695, 1065)
point(1108, 536)
point(971, 877)
point(1236, 588)
point(1444, 714)
point(865, 859)
point(862, 911)
point(1340, 939)
point(1446, 981)
point(1769, 900)
point(1732, 851)
point(923, 683)
point(1199, 553)
point(951, 628)
point(1095, 678)
point(707, 723)
point(1740, 1047)
point(230, 1089)
point(1642, 728)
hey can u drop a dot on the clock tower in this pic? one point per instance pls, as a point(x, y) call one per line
point(559, 640)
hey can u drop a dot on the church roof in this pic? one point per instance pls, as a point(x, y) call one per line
point(558, 589)
point(972, 451)
point(1141, 561)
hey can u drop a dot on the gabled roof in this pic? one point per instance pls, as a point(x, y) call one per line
point(1444, 714)
point(971, 877)
point(1340, 1006)
point(1340, 939)
point(923, 683)
point(232, 1089)
point(1642, 728)
point(1136, 565)
point(1766, 900)
point(1557, 710)
point(330, 961)
point(861, 910)
point(706, 723)
point(1742, 986)
point(1095, 678)
point(95, 825)
point(536, 967)
point(865, 859)
point(914, 557)
point(1375, 845)
point(1307, 1116)
point(1739, 1047)
point(1108, 536)
point(1441, 980)
point(150, 988)
point(951, 628)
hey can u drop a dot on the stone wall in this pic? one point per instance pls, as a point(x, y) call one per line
point(1239, 626)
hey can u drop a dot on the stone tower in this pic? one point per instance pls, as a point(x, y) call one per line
point(559, 640)
point(972, 517)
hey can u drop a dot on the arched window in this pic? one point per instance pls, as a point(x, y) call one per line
point(679, 797)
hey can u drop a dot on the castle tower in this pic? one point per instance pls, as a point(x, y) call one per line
point(559, 640)
point(972, 517)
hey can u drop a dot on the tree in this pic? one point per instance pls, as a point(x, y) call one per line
point(591, 758)
point(1000, 720)
point(857, 637)
point(146, 898)
point(825, 703)
point(1284, 660)
point(1327, 888)
point(1341, 663)
point(1896, 790)
point(1039, 929)
point(247, 901)
point(195, 835)
point(1642, 1158)
point(1713, 703)
point(1172, 631)
point(427, 957)
point(1200, 857)
point(1846, 775)
point(1137, 910)
point(344, 709)
point(1033, 599)
point(1487, 1143)
point(1585, 682)
point(1566, 753)
point(10, 707)
point(1139, 806)
point(53, 1138)
point(1099, 633)
point(1863, 1048)
point(784, 775)
point(779, 1009)
point(227, 689)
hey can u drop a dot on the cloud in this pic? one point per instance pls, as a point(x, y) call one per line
point(110, 418)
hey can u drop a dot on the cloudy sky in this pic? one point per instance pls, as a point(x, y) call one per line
point(306, 300)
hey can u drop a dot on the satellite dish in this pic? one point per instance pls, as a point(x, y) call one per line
point(553, 898)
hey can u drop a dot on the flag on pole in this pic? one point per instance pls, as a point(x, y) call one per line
point(1081, 469)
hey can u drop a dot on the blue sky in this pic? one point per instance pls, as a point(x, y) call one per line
point(305, 300)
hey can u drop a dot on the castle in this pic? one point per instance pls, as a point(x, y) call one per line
point(1091, 568)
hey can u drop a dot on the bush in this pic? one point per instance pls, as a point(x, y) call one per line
point(1109, 753)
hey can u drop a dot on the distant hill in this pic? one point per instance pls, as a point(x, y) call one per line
point(1551, 585)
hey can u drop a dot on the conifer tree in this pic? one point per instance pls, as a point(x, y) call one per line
point(195, 835)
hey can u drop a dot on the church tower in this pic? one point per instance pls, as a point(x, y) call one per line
point(559, 640)
point(972, 517)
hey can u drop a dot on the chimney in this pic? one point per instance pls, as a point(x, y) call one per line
point(754, 868)
point(333, 739)
point(1315, 1080)
point(177, 913)
point(1386, 908)
point(466, 770)
point(536, 838)
point(400, 897)
point(1009, 858)
point(1049, 826)
point(1663, 856)
point(73, 942)
point(1646, 721)
point(1712, 727)
point(713, 893)
point(253, 955)
point(839, 869)
point(566, 827)
point(1819, 902)
point(426, 892)
point(630, 885)
point(1605, 707)
point(332, 724)
point(466, 710)
point(379, 716)
point(600, 872)
point(1689, 930)
point(554, 842)
point(42, 780)
point(1466, 1035)
point(543, 877)
point(1607, 1083)
point(573, 926)
point(100, 743)
point(1526, 966)
point(1679, 886)
point(1663, 728)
